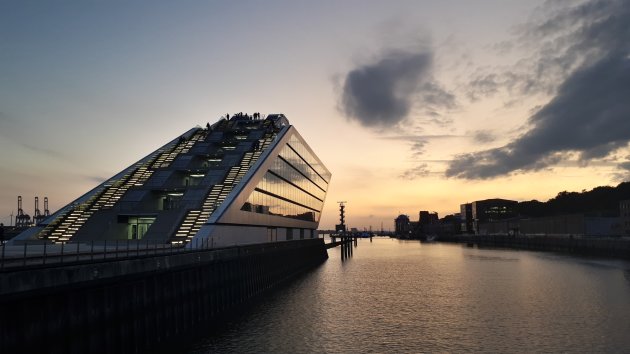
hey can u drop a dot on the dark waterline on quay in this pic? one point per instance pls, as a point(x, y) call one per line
point(409, 297)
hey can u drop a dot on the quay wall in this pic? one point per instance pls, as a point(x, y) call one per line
point(138, 305)
point(594, 246)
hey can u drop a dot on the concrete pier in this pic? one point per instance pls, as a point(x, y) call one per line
point(137, 304)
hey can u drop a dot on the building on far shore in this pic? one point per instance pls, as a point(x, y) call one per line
point(573, 225)
point(402, 225)
point(427, 218)
point(466, 218)
point(483, 211)
point(492, 210)
point(624, 216)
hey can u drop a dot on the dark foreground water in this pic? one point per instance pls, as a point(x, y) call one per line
point(405, 297)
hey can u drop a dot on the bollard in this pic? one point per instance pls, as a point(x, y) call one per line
point(62, 246)
point(44, 260)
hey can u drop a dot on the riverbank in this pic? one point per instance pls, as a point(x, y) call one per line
point(602, 247)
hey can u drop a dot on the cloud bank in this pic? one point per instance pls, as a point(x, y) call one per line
point(588, 46)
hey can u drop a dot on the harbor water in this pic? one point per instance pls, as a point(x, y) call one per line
point(397, 296)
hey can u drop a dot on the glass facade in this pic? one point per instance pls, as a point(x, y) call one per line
point(297, 146)
point(294, 186)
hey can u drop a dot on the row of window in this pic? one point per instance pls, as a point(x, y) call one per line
point(294, 187)
point(277, 186)
point(282, 168)
point(299, 164)
point(314, 163)
point(262, 203)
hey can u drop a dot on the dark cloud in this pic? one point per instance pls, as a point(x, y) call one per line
point(13, 130)
point(563, 36)
point(420, 137)
point(483, 136)
point(623, 172)
point(590, 113)
point(416, 172)
point(417, 147)
point(625, 165)
point(383, 93)
point(419, 142)
point(43, 151)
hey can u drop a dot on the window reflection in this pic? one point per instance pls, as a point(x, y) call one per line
point(294, 186)
point(262, 203)
point(314, 162)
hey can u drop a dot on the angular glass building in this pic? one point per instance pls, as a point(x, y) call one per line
point(241, 180)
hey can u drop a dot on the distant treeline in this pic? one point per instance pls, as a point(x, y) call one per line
point(601, 201)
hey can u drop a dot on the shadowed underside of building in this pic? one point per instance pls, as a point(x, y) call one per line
point(240, 181)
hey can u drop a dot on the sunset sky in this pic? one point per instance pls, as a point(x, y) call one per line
point(412, 105)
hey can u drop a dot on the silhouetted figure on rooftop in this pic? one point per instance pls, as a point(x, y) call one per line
point(1, 233)
point(207, 126)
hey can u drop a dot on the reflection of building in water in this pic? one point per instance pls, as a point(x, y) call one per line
point(242, 180)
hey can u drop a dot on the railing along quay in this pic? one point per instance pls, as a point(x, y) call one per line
point(40, 254)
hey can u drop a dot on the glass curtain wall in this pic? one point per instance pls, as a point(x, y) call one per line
point(295, 185)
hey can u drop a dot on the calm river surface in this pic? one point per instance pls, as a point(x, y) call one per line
point(405, 297)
